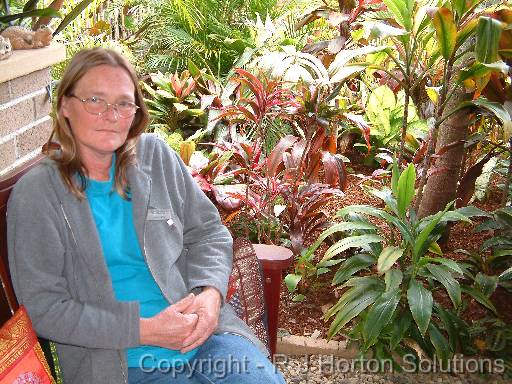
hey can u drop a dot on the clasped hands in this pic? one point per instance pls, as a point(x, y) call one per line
point(186, 324)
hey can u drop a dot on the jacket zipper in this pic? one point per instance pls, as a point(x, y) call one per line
point(76, 243)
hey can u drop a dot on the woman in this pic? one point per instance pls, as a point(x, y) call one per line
point(116, 253)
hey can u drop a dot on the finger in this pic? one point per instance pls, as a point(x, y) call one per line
point(184, 303)
point(197, 344)
point(201, 329)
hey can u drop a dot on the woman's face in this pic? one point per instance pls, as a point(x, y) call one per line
point(99, 136)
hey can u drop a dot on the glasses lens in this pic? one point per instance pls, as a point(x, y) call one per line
point(126, 109)
point(95, 105)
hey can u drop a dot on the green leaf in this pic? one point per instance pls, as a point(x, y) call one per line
point(472, 211)
point(321, 271)
point(501, 253)
point(488, 35)
point(379, 30)
point(375, 212)
point(339, 227)
point(329, 263)
point(439, 342)
point(421, 244)
point(72, 15)
point(405, 189)
point(454, 216)
point(435, 248)
point(351, 242)
point(291, 280)
point(379, 109)
point(194, 70)
point(342, 73)
point(506, 275)
point(365, 282)
point(45, 12)
point(493, 107)
point(352, 308)
point(403, 12)
point(486, 284)
point(351, 266)
point(393, 279)
point(379, 316)
point(386, 196)
point(478, 70)
point(446, 31)
point(298, 298)
point(444, 276)
point(459, 6)
point(344, 56)
point(388, 257)
point(497, 241)
point(193, 112)
point(449, 326)
point(420, 303)
point(447, 262)
point(480, 297)
point(400, 328)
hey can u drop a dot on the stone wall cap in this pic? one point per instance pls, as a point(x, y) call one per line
point(25, 61)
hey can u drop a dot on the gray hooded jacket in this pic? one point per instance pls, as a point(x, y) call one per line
point(59, 272)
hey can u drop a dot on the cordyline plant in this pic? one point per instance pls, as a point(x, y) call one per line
point(293, 164)
point(388, 284)
point(276, 194)
point(268, 99)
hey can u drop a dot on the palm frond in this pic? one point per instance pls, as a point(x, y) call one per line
point(188, 14)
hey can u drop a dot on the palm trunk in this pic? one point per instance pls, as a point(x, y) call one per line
point(441, 185)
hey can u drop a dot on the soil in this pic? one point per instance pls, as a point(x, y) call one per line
point(305, 318)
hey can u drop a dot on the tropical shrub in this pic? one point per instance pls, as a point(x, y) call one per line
point(490, 266)
point(175, 105)
point(385, 111)
point(393, 284)
point(212, 34)
point(273, 191)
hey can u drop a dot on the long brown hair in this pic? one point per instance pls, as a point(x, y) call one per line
point(67, 157)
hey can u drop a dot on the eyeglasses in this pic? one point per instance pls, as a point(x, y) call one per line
point(98, 106)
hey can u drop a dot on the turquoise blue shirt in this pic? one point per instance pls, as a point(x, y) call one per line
point(131, 277)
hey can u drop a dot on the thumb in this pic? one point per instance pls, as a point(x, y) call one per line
point(184, 303)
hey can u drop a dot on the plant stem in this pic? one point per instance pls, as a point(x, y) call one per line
point(508, 179)
point(407, 91)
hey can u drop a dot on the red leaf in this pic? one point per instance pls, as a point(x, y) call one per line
point(466, 186)
point(275, 159)
point(335, 172)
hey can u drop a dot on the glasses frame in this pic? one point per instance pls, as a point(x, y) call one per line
point(114, 106)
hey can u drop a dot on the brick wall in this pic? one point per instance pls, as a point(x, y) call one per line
point(25, 124)
point(25, 105)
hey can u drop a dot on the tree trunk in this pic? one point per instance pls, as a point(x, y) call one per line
point(444, 173)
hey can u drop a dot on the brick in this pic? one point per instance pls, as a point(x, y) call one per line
point(16, 116)
point(4, 92)
point(301, 345)
point(7, 154)
point(42, 106)
point(34, 138)
point(30, 83)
